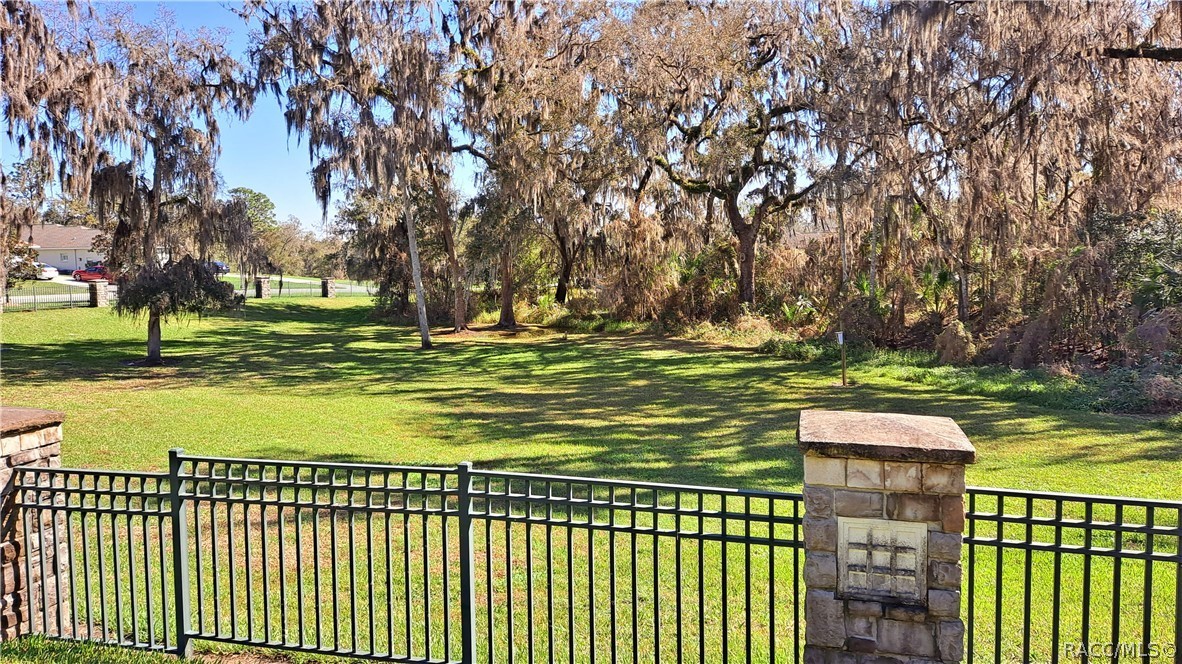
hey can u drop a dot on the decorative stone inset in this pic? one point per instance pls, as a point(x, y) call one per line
point(879, 559)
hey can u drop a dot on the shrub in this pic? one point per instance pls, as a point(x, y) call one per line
point(1173, 423)
point(955, 345)
point(799, 351)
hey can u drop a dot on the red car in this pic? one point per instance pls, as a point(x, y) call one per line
point(93, 274)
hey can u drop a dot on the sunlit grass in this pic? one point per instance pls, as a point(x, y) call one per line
point(318, 380)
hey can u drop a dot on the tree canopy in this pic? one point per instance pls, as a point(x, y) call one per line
point(875, 166)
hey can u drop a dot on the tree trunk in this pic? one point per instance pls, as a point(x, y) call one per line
point(564, 273)
point(461, 300)
point(153, 339)
point(746, 233)
point(962, 294)
point(566, 260)
point(459, 276)
point(747, 266)
point(417, 272)
point(508, 320)
point(149, 256)
point(841, 238)
point(874, 258)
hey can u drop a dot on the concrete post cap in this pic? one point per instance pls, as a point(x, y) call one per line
point(884, 437)
point(18, 420)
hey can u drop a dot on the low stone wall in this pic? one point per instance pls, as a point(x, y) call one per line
point(29, 437)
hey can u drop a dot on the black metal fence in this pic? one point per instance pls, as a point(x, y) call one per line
point(415, 564)
point(295, 289)
point(39, 296)
point(304, 289)
point(363, 289)
point(1059, 577)
point(405, 563)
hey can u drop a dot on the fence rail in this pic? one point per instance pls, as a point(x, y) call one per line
point(304, 289)
point(37, 296)
point(405, 563)
point(454, 564)
point(1049, 575)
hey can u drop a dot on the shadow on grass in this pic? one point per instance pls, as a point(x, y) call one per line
point(636, 406)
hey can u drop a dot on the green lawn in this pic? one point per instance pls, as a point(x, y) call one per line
point(315, 379)
point(33, 650)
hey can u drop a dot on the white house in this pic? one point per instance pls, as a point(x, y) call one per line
point(65, 247)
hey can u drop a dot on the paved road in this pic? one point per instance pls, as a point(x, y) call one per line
point(67, 280)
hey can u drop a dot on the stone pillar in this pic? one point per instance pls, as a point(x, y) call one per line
point(328, 287)
point(30, 437)
point(98, 293)
point(262, 288)
point(884, 515)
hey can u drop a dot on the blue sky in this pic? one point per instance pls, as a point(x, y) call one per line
point(257, 153)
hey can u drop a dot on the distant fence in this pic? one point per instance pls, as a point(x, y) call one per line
point(294, 288)
point(303, 288)
point(356, 290)
point(39, 296)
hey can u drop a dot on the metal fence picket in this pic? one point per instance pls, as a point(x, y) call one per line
point(458, 565)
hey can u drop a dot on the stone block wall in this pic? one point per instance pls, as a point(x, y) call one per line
point(328, 288)
point(30, 438)
point(931, 494)
point(99, 296)
point(262, 288)
point(883, 539)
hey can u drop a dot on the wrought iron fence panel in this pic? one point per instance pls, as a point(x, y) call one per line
point(105, 540)
point(584, 570)
point(37, 296)
point(324, 558)
point(363, 289)
point(453, 564)
point(295, 289)
point(1056, 577)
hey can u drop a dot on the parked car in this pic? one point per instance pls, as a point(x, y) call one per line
point(93, 274)
point(45, 272)
point(217, 267)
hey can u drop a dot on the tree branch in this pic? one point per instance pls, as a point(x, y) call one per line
point(475, 152)
point(689, 185)
point(1159, 53)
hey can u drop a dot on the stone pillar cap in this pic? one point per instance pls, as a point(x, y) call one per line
point(18, 420)
point(884, 437)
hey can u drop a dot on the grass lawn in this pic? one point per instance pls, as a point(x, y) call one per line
point(316, 380)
